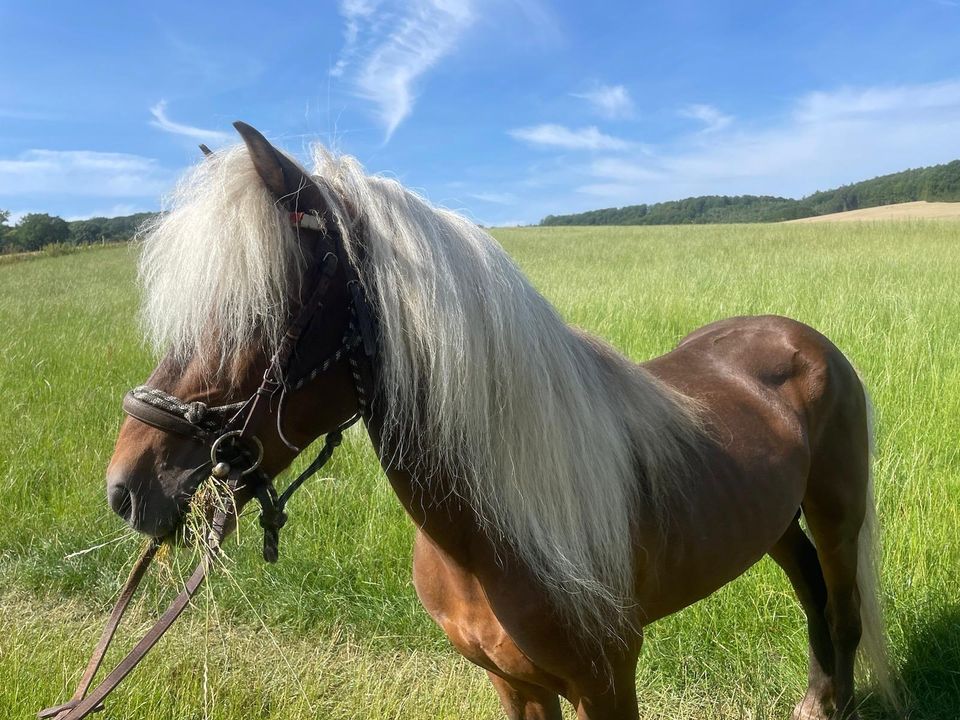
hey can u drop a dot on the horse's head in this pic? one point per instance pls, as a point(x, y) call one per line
point(163, 450)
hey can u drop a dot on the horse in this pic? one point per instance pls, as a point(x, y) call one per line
point(564, 497)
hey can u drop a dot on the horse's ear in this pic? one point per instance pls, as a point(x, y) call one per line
point(280, 174)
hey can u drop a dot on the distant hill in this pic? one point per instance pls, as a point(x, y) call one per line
point(937, 183)
point(919, 210)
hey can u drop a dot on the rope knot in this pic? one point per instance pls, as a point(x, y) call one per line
point(272, 518)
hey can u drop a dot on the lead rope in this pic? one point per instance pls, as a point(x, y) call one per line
point(81, 704)
point(126, 595)
point(272, 518)
point(273, 514)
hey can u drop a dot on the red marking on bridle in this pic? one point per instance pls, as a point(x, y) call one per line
point(308, 221)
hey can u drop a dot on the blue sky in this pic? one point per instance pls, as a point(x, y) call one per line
point(506, 110)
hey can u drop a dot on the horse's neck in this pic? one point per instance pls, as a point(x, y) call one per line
point(428, 501)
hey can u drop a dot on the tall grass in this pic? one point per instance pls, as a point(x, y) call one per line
point(334, 630)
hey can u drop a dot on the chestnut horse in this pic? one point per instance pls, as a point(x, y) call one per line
point(564, 497)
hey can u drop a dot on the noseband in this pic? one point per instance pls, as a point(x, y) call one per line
point(236, 453)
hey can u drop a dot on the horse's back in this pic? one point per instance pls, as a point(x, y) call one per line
point(782, 362)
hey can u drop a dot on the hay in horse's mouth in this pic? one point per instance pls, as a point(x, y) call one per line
point(194, 527)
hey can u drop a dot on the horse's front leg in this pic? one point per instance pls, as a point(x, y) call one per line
point(611, 696)
point(523, 701)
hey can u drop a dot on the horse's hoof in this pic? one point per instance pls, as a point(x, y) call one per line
point(811, 708)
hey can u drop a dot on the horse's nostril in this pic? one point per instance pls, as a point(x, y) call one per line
point(121, 501)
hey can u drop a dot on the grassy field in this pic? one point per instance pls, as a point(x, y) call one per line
point(334, 630)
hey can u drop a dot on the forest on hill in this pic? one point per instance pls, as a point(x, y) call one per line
point(937, 183)
point(35, 231)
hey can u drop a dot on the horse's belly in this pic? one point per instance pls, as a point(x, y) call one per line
point(691, 566)
point(724, 523)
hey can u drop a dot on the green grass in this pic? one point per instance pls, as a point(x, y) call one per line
point(335, 630)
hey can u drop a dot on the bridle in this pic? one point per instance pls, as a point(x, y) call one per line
point(230, 432)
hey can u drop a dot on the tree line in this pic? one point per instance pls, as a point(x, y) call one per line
point(35, 231)
point(937, 183)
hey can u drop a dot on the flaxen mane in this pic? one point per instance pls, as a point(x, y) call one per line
point(556, 440)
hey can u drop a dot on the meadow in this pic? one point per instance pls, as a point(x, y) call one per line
point(334, 630)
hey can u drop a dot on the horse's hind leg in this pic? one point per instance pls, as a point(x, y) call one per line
point(523, 701)
point(796, 555)
point(836, 540)
point(835, 507)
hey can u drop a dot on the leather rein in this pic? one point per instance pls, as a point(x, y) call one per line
point(235, 455)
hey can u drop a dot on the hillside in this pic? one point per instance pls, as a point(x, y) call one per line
point(937, 183)
point(919, 210)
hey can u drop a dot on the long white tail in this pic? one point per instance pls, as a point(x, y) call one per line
point(873, 641)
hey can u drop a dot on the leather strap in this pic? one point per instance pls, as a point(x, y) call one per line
point(162, 420)
point(81, 705)
point(126, 595)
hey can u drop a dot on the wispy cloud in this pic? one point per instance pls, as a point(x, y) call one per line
point(861, 103)
point(47, 173)
point(391, 44)
point(550, 135)
point(825, 139)
point(161, 121)
point(710, 116)
point(495, 198)
point(610, 101)
point(355, 13)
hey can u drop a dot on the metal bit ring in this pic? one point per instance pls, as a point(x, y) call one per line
point(236, 433)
